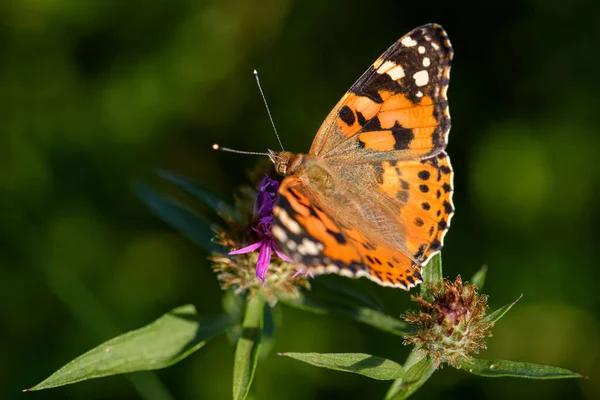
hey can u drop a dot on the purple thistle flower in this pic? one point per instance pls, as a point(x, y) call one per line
point(263, 209)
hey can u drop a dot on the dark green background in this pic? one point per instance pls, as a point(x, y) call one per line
point(94, 95)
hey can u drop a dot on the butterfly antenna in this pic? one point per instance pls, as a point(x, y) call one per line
point(267, 107)
point(227, 149)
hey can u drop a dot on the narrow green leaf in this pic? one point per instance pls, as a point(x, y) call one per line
point(162, 343)
point(193, 189)
point(247, 348)
point(358, 363)
point(498, 368)
point(368, 316)
point(432, 275)
point(413, 379)
point(91, 314)
point(179, 216)
point(478, 279)
point(493, 317)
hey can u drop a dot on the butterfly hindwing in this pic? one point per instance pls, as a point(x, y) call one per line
point(304, 230)
point(422, 193)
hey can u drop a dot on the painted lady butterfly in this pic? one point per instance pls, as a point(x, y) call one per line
point(373, 196)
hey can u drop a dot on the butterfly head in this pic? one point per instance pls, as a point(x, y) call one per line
point(285, 162)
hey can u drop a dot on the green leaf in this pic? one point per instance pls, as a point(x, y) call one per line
point(358, 363)
point(193, 189)
point(368, 316)
point(432, 275)
point(478, 279)
point(413, 379)
point(493, 317)
point(164, 342)
point(498, 368)
point(179, 216)
point(247, 348)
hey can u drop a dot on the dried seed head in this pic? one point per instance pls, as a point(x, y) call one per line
point(452, 326)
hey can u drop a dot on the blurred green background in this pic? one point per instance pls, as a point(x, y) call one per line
point(96, 94)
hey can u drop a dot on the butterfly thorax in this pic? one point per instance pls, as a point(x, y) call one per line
point(307, 168)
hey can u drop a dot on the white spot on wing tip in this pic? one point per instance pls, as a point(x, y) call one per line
point(421, 49)
point(396, 73)
point(408, 42)
point(421, 78)
point(385, 67)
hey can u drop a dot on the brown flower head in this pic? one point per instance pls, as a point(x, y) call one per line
point(452, 326)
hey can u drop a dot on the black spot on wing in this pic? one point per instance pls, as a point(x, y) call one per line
point(361, 118)
point(435, 246)
point(424, 175)
point(341, 239)
point(403, 136)
point(448, 209)
point(347, 116)
point(371, 125)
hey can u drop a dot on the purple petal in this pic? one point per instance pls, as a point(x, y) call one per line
point(247, 249)
point(265, 198)
point(305, 272)
point(262, 265)
point(279, 253)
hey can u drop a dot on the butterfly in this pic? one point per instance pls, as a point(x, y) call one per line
point(373, 196)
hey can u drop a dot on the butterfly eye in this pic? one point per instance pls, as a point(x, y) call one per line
point(281, 168)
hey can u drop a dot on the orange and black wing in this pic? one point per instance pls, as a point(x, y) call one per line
point(398, 109)
point(305, 229)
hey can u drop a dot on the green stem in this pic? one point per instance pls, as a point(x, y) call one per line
point(247, 348)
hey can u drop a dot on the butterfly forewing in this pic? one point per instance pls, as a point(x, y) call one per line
point(398, 106)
